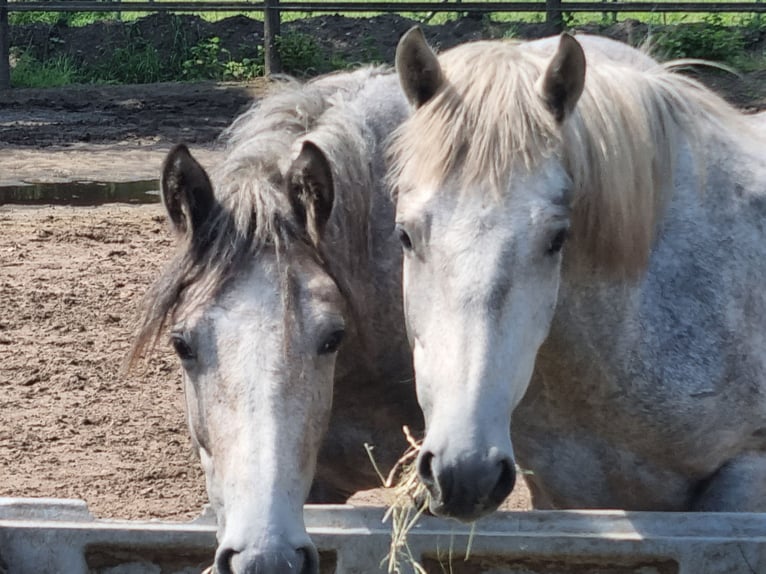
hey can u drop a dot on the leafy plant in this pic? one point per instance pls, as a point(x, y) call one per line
point(180, 50)
point(77, 19)
point(140, 62)
point(20, 18)
point(338, 62)
point(211, 61)
point(205, 61)
point(300, 54)
point(512, 32)
point(568, 19)
point(245, 69)
point(709, 40)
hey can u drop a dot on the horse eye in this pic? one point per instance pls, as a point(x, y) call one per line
point(331, 343)
point(558, 241)
point(404, 238)
point(182, 347)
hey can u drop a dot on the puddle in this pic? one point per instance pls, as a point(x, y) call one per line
point(81, 193)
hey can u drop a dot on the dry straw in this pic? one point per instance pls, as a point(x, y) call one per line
point(408, 502)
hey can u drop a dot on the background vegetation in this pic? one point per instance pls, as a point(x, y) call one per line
point(737, 41)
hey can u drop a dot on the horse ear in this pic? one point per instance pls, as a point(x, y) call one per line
point(187, 193)
point(311, 190)
point(564, 79)
point(418, 67)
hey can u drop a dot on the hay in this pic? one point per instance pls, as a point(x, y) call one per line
point(409, 500)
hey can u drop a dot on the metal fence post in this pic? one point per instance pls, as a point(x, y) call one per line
point(272, 60)
point(5, 52)
point(553, 14)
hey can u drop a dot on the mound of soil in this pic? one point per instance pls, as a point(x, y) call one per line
point(136, 114)
point(338, 40)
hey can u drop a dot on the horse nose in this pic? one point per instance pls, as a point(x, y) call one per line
point(303, 560)
point(468, 488)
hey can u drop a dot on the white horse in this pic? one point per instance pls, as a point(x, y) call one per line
point(587, 252)
point(284, 304)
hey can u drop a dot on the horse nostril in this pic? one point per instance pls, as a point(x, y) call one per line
point(223, 560)
point(310, 558)
point(438, 481)
point(505, 481)
point(425, 469)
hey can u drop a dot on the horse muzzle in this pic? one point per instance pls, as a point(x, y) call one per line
point(466, 489)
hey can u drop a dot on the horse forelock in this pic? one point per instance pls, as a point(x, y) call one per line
point(252, 210)
point(486, 117)
point(205, 262)
point(618, 146)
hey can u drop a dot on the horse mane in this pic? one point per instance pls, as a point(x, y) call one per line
point(252, 209)
point(341, 134)
point(618, 146)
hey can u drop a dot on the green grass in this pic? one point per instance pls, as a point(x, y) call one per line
point(31, 73)
point(438, 18)
point(137, 63)
point(72, 19)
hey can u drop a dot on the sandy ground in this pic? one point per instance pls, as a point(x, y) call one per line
point(72, 424)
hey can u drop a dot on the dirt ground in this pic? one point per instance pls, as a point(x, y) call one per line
point(72, 424)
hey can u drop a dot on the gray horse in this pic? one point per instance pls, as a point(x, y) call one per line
point(283, 301)
point(585, 251)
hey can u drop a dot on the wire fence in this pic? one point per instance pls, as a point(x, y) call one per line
point(271, 9)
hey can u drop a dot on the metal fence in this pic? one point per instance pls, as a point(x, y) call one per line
point(271, 9)
point(44, 536)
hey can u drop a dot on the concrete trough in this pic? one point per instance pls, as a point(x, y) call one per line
point(50, 536)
